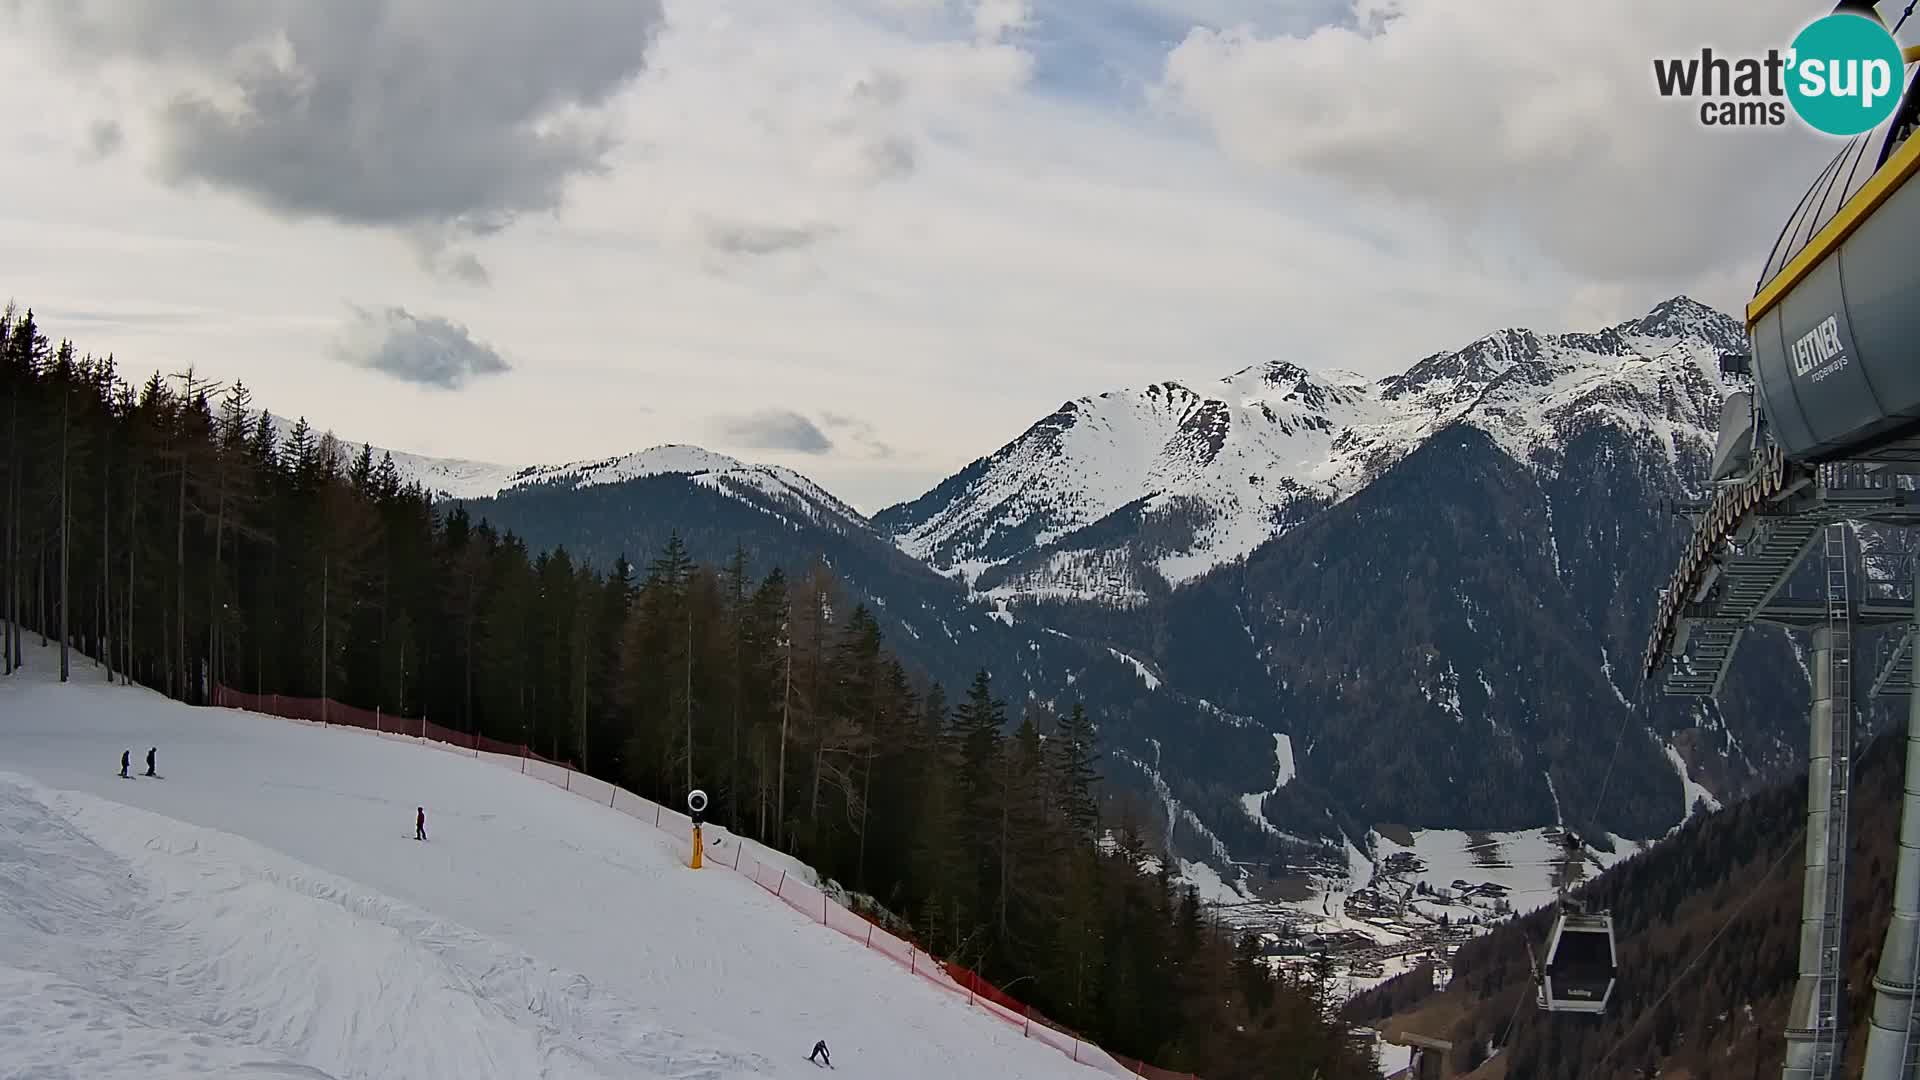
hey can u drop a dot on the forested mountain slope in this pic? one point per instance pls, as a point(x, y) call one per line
point(1686, 1003)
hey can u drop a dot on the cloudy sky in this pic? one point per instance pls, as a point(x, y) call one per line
point(871, 239)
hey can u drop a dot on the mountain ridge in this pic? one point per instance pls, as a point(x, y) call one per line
point(1206, 476)
point(1149, 552)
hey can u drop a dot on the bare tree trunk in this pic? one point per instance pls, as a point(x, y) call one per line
point(1006, 804)
point(259, 649)
point(10, 540)
point(6, 549)
point(689, 690)
point(106, 558)
point(866, 804)
point(325, 568)
point(386, 575)
point(583, 697)
point(214, 621)
point(133, 548)
point(813, 792)
point(471, 577)
point(66, 530)
point(180, 582)
point(733, 742)
point(9, 553)
point(760, 805)
point(786, 707)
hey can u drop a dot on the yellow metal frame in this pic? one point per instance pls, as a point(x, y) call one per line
point(1878, 189)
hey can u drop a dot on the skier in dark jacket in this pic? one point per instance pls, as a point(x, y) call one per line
point(151, 750)
point(126, 762)
point(819, 1053)
point(420, 823)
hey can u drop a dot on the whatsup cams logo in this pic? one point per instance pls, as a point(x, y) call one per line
point(1841, 75)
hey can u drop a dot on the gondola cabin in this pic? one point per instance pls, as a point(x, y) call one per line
point(1580, 965)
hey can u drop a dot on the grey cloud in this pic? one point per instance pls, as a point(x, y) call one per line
point(890, 158)
point(876, 155)
point(126, 318)
point(468, 269)
point(426, 350)
point(878, 89)
point(105, 138)
point(860, 431)
point(774, 429)
point(433, 249)
point(376, 112)
point(745, 238)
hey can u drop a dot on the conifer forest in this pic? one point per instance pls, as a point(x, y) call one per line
point(170, 530)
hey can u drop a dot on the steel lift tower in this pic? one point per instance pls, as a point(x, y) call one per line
point(1828, 437)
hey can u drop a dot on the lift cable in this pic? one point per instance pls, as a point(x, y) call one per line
point(1674, 983)
point(1607, 779)
point(1904, 14)
point(1506, 1033)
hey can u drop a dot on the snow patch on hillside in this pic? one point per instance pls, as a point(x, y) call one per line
point(1177, 815)
point(1521, 863)
point(1283, 758)
point(1359, 868)
point(1606, 666)
point(1208, 883)
point(1696, 793)
point(1139, 669)
point(1102, 576)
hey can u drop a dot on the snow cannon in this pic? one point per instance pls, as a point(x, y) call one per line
point(1834, 322)
point(697, 809)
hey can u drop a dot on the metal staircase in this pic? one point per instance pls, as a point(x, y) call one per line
point(1830, 1025)
point(1747, 579)
point(1896, 665)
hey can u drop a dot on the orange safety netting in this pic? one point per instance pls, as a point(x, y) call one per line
point(725, 850)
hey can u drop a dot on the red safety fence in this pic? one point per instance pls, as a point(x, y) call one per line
point(776, 873)
point(328, 711)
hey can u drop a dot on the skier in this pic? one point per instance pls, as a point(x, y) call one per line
point(820, 1052)
point(126, 762)
point(420, 823)
point(151, 750)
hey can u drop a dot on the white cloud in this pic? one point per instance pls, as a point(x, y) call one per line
point(892, 210)
point(993, 20)
point(422, 349)
point(1539, 120)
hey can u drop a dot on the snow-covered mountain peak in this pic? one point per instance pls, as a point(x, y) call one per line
point(710, 469)
point(1449, 379)
point(1685, 317)
point(665, 460)
point(1283, 384)
point(774, 488)
point(1173, 480)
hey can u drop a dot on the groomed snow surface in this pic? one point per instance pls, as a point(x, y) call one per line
point(264, 911)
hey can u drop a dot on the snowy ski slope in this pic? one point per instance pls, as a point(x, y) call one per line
point(264, 911)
